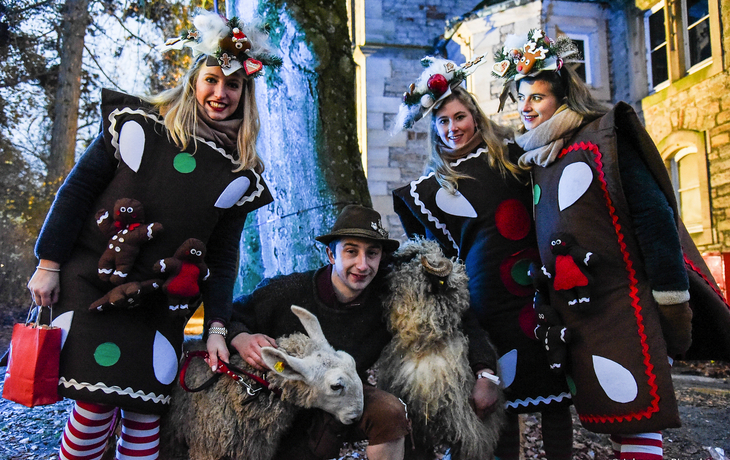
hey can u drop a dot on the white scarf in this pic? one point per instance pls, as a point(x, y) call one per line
point(543, 144)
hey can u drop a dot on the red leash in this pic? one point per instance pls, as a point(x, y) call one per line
point(224, 368)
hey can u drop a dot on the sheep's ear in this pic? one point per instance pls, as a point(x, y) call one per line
point(310, 323)
point(287, 366)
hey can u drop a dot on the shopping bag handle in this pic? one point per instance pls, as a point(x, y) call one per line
point(34, 314)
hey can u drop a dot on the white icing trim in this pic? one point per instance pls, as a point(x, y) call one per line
point(422, 206)
point(115, 134)
point(468, 157)
point(115, 389)
point(257, 193)
point(536, 401)
point(417, 201)
point(115, 143)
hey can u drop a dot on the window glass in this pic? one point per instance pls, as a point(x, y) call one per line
point(658, 47)
point(698, 31)
point(690, 205)
point(580, 69)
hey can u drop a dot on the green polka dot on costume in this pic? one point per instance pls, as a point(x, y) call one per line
point(571, 385)
point(520, 272)
point(536, 194)
point(184, 163)
point(107, 354)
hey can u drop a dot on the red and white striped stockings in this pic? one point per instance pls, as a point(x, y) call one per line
point(89, 427)
point(643, 446)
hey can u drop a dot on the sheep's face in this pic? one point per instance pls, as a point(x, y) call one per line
point(327, 379)
point(340, 389)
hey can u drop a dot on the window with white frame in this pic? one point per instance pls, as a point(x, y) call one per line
point(656, 39)
point(685, 174)
point(678, 39)
point(581, 61)
point(685, 156)
point(696, 28)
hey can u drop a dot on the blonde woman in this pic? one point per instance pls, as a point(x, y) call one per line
point(476, 202)
point(187, 156)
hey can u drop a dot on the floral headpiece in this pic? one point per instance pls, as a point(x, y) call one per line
point(227, 43)
point(522, 57)
point(434, 84)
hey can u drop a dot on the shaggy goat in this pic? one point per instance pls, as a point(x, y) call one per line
point(223, 421)
point(426, 363)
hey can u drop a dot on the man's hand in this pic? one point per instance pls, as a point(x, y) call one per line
point(249, 347)
point(484, 397)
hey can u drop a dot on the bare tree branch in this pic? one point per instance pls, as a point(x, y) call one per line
point(98, 66)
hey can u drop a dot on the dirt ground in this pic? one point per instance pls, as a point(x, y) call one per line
point(702, 388)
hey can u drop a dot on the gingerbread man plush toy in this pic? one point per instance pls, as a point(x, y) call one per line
point(126, 232)
point(185, 271)
point(569, 271)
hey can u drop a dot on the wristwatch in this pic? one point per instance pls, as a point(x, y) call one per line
point(217, 330)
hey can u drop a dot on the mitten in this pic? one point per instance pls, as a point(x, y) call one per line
point(676, 321)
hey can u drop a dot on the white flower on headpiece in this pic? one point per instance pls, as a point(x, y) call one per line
point(537, 34)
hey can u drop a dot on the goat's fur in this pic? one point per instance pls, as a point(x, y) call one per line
point(426, 363)
point(219, 422)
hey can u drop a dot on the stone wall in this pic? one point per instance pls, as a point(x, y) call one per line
point(704, 107)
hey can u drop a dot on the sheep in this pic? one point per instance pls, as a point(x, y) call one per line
point(426, 363)
point(220, 422)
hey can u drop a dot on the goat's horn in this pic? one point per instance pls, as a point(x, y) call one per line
point(441, 269)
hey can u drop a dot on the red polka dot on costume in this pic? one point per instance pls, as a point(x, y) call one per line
point(528, 321)
point(512, 219)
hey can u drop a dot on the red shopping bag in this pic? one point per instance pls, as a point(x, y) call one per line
point(31, 378)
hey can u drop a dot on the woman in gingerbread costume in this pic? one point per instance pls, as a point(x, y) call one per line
point(476, 203)
point(601, 192)
point(188, 156)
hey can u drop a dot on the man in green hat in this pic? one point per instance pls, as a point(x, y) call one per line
point(346, 298)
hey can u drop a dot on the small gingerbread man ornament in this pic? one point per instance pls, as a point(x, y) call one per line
point(185, 271)
point(126, 232)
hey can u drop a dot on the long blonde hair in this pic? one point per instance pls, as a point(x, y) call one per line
point(494, 137)
point(179, 109)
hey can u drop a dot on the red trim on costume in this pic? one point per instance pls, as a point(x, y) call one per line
point(695, 269)
point(654, 406)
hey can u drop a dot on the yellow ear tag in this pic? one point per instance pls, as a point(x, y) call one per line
point(279, 366)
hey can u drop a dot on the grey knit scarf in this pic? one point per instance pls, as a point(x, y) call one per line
point(543, 144)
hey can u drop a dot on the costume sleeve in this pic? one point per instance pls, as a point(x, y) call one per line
point(222, 261)
point(654, 222)
point(482, 353)
point(74, 201)
point(410, 223)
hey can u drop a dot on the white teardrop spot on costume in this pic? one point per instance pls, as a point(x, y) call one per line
point(164, 359)
point(64, 322)
point(508, 367)
point(233, 193)
point(454, 204)
point(574, 182)
point(618, 383)
point(131, 144)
